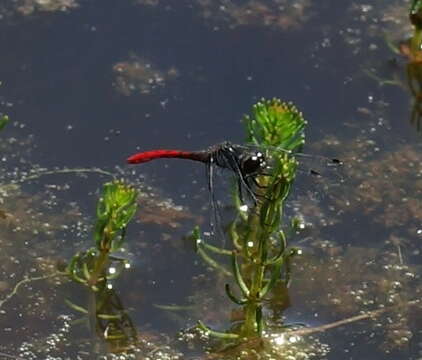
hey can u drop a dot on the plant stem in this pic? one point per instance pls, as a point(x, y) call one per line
point(257, 271)
point(416, 41)
point(99, 267)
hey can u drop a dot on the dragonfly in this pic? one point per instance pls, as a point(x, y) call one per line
point(246, 162)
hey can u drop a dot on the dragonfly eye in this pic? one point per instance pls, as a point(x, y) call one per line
point(252, 164)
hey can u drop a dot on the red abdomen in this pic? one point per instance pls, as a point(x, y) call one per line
point(159, 154)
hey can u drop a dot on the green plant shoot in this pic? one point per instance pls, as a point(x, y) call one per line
point(260, 252)
point(4, 119)
point(115, 209)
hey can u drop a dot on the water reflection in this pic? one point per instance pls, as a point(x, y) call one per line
point(404, 38)
point(137, 75)
point(28, 7)
point(380, 187)
point(275, 14)
point(412, 49)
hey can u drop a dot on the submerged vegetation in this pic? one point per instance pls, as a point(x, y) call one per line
point(4, 119)
point(259, 256)
point(96, 267)
point(410, 49)
point(260, 253)
point(257, 281)
point(115, 209)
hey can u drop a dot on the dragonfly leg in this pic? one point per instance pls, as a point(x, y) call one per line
point(240, 190)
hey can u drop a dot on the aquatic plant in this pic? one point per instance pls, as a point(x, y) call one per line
point(94, 267)
point(414, 69)
point(4, 119)
point(415, 16)
point(115, 209)
point(411, 49)
point(260, 252)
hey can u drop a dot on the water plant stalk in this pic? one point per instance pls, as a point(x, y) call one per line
point(260, 248)
point(104, 311)
point(115, 209)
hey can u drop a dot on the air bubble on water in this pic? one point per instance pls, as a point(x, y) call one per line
point(293, 339)
point(326, 42)
point(409, 275)
point(365, 8)
point(244, 208)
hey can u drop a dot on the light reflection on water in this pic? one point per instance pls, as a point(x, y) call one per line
point(94, 86)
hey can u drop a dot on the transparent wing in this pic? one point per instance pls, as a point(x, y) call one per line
point(319, 168)
point(231, 191)
point(220, 202)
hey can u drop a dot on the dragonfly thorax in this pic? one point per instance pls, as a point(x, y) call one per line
point(252, 163)
point(244, 162)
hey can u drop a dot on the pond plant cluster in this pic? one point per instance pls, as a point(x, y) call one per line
point(409, 49)
point(259, 253)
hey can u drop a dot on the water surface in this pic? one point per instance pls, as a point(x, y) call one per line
point(88, 82)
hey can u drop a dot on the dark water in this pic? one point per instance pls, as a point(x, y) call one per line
point(87, 83)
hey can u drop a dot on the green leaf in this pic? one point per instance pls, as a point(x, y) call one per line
point(281, 252)
point(238, 276)
point(218, 334)
point(276, 123)
point(416, 6)
point(233, 298)
point(275, 275)
point(115, 209)
point(211, 262)
point(109, 317)
point(85, 271)
point(76, 307)
point(4, 119)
